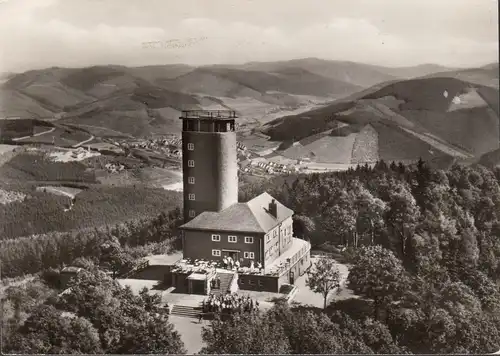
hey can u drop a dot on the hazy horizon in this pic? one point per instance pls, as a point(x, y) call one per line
point(241, 63)
point(36, 34)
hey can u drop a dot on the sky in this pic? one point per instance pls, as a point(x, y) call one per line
point(37, 34)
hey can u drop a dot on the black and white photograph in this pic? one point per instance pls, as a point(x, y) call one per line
point(249, 177)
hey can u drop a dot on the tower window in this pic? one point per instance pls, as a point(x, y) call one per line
point(191, 163)
point(191, 180)
point(191, 196)
point(192, 213)
point(249, 239)
point(216, 253)
point(190, 146)
point(215, 237)
point(232, 239)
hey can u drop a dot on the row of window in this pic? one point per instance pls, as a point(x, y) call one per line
point(251, 282)
point(247, 255)
point(285, 231)
point(271, 251)
point(233, 239)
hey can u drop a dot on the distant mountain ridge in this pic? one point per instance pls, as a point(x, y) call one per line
point(141, 101)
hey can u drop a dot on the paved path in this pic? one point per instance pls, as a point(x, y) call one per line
point(190, 332)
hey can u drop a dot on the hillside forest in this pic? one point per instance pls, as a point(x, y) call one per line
point(423, 247)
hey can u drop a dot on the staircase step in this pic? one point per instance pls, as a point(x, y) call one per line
point(186, 311)
point(225, 282)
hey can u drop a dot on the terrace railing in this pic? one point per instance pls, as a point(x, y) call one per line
point(212, 114)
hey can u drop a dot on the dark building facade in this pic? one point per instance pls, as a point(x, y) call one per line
point(209, 164)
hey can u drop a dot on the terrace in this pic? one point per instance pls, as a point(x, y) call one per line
point(279, 266)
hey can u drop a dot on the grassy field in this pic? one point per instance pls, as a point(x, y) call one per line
point(397, 145)
point(472, 129)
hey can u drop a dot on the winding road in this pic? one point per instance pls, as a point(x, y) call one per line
point(52, 130)
point(35, 135)
point(84, 142)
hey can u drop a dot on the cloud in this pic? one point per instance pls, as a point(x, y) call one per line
point(29, 38)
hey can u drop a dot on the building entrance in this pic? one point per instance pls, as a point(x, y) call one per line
point(235, 255)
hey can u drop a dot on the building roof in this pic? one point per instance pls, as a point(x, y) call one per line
point(252, 216)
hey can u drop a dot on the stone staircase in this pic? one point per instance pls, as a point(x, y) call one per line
point(186, 311)
point(225, 281)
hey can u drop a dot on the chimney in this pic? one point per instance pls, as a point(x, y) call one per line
point(273, 209)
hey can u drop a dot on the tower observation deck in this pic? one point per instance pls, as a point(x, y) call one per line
point(209, 161)
point(208, 120)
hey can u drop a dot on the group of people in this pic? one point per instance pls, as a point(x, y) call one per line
point(229, 263)
point(229, 303)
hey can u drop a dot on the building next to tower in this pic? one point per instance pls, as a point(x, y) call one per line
point(245, 245)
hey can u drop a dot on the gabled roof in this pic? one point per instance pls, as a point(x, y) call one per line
point(252, 216)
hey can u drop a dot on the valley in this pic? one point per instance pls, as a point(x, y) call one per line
point(109, 128)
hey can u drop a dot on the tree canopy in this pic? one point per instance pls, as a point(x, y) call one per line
point(97, 315)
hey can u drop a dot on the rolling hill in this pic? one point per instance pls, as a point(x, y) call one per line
point(141, 101)
point(358, 74)
point(291, 80)
point(432, 118)
point(486, 75)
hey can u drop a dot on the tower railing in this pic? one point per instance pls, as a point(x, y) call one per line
point(209, 114)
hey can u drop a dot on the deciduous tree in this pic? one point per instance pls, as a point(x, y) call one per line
point(324, 277)
point(377, 274)
point(245, 334)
